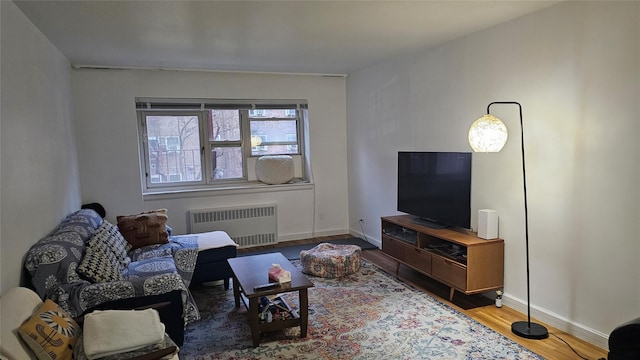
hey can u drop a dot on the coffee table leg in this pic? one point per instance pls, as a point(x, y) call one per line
point(254, 322)
point(304, 312)
point(236, 291)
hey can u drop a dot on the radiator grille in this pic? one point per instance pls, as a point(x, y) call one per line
point(248, 225)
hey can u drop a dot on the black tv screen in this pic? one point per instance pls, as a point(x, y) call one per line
point(435, 187)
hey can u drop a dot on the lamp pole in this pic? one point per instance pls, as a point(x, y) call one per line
point(525, 329)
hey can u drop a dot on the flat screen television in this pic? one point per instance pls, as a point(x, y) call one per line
point(435, 187)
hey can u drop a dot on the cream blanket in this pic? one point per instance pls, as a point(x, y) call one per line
point(112, 332)
point(213, 239)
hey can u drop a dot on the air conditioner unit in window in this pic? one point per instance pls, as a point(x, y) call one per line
point(174, 177)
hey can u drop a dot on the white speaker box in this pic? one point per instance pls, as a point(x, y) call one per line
point(487, 224)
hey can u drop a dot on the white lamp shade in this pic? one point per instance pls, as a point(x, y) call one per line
point(488, 134)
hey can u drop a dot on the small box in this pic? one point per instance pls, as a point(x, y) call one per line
point(277, 273)
point(487, 224)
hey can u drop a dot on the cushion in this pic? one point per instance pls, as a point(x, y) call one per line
point(16, 306)
point(274, 169)
point(144, 229)
point(50, 332)
point(109, 234)
point(105, 257)
point(331, 260)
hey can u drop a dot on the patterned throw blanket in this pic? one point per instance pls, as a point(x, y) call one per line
point(154, 270)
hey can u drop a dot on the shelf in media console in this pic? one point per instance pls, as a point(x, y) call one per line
point(401, 233)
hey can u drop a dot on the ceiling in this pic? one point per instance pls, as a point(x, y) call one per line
point(304, 36)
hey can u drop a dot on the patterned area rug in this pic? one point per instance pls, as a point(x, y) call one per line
point(368, 315)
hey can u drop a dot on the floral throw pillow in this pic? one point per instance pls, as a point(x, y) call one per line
point(50, 332)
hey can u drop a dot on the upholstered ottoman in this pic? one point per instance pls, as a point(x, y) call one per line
point(331, 260)
point(214, 248)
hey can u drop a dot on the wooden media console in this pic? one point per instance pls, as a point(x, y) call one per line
point(455, 257)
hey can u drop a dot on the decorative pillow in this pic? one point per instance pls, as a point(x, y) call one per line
point(144, 229)
point(101, 262)
point(50, 332)
point(109, 234)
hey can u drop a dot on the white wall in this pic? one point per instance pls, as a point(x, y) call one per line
point(575, 68)
point(39, 183)
point(108, 146)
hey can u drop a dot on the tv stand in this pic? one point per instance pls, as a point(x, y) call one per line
point(455, 257)
point(428, 223)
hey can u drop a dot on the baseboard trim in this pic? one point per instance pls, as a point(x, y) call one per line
point(309, 235)
point(571, 327)
point(370, 240)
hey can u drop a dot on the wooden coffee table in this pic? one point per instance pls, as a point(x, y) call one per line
point(251, 271)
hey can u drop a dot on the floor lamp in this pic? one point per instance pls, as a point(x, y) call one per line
point(489, 134)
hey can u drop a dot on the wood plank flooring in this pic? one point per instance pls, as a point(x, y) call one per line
point(479, 308)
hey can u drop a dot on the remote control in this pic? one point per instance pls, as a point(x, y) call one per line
point(266, 286)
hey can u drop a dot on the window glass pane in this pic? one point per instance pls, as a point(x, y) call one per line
point(257, 113)
point(268, 136)
point(173, 149)
point(274, 150)
point(272, 113)
point(226, 162)
point(224, 125)
point(292, 148)
point(275, 130)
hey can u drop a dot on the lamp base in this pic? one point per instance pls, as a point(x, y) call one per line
point(529, 330)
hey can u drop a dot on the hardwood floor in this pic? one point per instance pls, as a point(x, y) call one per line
point(479, 308)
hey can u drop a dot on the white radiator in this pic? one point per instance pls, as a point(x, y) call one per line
point(248, 226)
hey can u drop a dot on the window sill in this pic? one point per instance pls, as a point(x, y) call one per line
point(227, 189)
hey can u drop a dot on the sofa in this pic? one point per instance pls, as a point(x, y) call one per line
point(85, 264)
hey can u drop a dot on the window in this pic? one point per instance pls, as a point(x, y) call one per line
point(173, 143)
point(274, 132)
point(198, 144)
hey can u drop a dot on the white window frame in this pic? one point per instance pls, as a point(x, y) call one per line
point(200, 108)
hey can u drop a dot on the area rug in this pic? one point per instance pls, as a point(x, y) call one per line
point(367, 315)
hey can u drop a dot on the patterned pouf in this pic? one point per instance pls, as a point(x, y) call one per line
point(331, 260)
